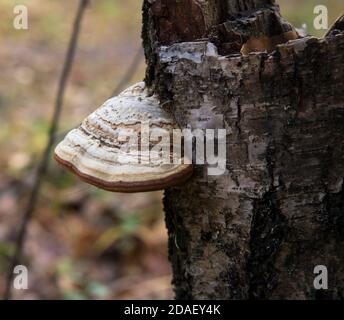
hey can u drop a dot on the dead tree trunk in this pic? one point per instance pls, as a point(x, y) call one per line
point(258, 231)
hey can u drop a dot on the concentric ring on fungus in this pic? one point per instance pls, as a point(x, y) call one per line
point(94, 152)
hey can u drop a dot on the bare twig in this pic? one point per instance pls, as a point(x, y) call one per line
point(124, 81)
point(130, 72)
point(43, 165)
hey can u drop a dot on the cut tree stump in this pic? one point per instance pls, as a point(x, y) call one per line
point(259, 230)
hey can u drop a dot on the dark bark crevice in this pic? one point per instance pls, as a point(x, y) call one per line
point(268, 229)
point(178, 239)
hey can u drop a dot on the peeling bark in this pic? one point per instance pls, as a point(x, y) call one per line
point(258, 231)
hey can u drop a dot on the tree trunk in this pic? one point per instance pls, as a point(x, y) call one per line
point(259, 230)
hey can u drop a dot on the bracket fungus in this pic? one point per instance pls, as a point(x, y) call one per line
point(124, 146)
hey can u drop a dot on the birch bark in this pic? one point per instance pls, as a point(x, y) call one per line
point(258, 231)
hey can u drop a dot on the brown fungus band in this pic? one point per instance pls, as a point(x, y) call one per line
point(111, 151)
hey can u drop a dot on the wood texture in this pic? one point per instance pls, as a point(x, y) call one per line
point(258, 231)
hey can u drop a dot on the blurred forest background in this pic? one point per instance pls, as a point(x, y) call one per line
point(83, 243)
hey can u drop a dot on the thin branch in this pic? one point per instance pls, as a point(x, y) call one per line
point(130, 72)
point(121, 85)
point(43, 165)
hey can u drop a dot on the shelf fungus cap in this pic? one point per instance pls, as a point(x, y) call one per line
point(125, 145)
